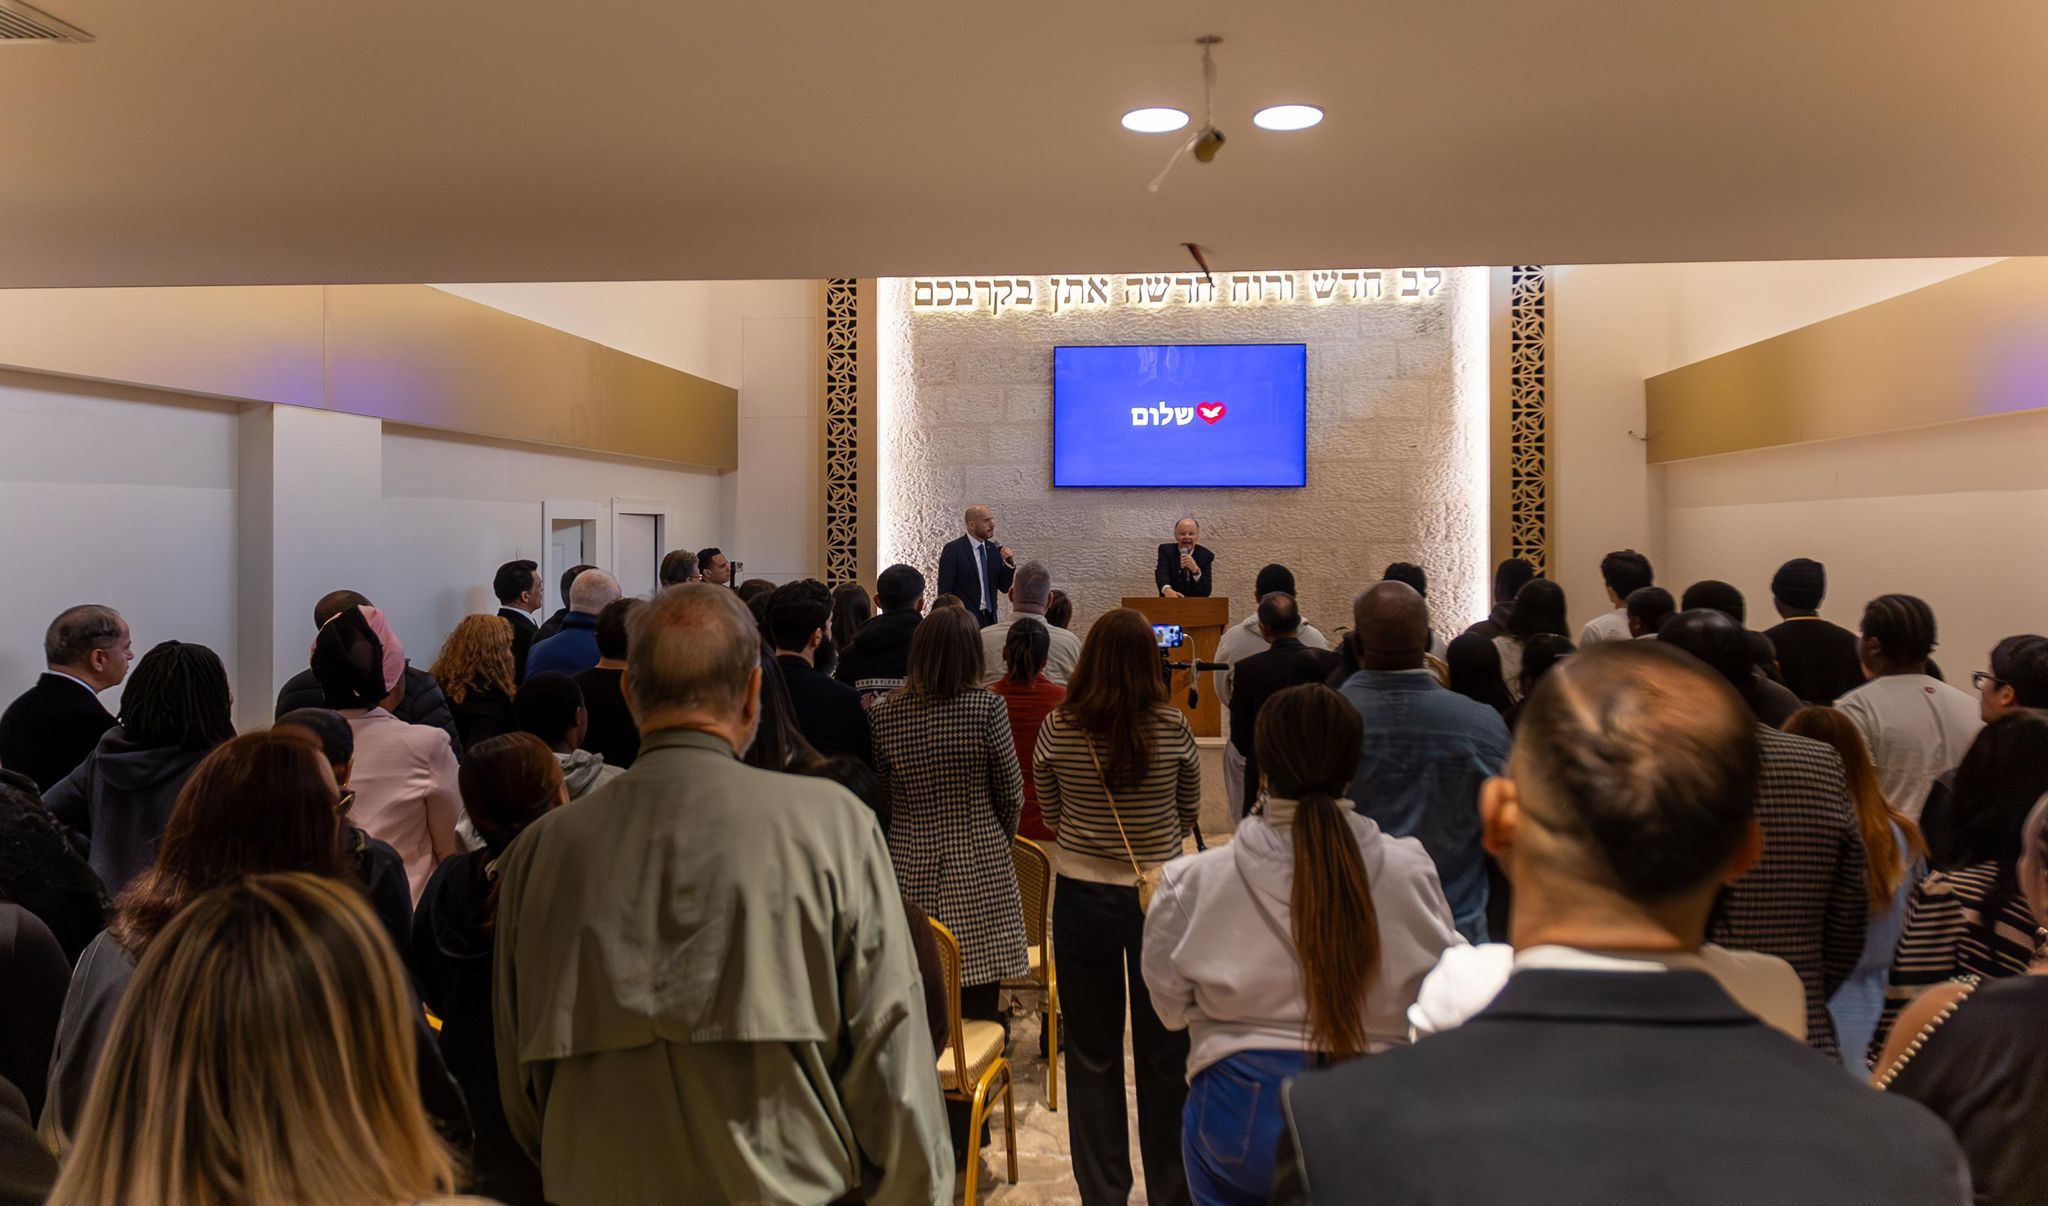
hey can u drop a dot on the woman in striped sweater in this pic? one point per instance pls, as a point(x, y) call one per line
point(1970, 918)
point(1119, 783)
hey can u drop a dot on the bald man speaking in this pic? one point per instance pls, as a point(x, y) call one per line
point(1182, 571)
point(975, 567)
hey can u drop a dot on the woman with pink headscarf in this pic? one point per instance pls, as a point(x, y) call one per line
point(403, 776)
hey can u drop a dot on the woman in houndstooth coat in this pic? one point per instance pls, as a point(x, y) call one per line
point(947, 768)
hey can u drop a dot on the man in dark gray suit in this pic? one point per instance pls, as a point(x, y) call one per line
point(1610, 1069)
point(975, 568)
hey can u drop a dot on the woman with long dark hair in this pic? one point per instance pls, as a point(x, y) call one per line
point(1120, 784)
point(779, 745)
point(1474, 664)
point(851, 608)
point(1539, 609)
point(945, 765)
point(1030, 697)
point(508, 782)
point(176, 708)
point(1971, 919)
point(1894, 859)
point(1301, 943)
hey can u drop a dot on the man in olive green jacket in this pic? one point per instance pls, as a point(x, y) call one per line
point(705, 992)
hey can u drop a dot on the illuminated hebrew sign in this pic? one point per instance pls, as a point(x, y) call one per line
point(1059, 294)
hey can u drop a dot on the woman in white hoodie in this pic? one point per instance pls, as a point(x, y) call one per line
point(1302, 943)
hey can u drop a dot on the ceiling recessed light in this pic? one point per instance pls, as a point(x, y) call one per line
point(1287, 117)
point(1155, 121)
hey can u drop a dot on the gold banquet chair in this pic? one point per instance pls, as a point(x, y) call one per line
point(971, 1065)
point(1034, 886)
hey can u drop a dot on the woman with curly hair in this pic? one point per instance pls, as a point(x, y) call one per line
point(475, 672)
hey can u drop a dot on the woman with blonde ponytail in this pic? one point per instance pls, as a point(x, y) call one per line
point(1301, 943)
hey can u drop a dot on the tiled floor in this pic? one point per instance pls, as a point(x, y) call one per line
point(1044, 1168)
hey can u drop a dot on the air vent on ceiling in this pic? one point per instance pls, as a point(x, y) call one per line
point(22, 23)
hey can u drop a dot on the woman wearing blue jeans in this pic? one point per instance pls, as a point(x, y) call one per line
point(1301, 943)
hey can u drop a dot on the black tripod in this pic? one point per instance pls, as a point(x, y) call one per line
point(1197, 669)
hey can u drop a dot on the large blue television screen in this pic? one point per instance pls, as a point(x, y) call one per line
point(1182, 415)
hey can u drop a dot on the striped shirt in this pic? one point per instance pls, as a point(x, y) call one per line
point(1157, 812)
point(1947, 934)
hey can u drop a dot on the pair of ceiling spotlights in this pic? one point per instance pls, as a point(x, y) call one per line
point(1274, 117)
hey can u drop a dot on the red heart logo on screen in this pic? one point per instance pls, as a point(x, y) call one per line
point(1210, 412)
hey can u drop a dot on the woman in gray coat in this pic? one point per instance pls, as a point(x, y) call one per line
point(954, 791)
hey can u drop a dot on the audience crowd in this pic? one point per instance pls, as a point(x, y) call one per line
point(686, 897)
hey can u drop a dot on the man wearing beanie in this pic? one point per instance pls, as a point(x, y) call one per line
point(1818, 659)
point(1242, 641)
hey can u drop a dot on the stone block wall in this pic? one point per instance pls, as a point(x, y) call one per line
point(1397, 448)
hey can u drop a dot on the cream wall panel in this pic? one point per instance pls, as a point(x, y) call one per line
point(116, 496)
point(1948, 513)
point(1613, 326)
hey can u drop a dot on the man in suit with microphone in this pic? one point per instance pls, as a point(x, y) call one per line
point(975, 567)
point(1183, 569)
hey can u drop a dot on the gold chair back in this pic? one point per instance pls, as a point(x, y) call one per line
point(956, 1039)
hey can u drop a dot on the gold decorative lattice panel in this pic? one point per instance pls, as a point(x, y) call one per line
point(842, 426)
point(1529, 416)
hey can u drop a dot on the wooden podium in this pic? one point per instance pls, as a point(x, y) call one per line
point(1203, 622)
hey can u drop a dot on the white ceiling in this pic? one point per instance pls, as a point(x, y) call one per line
point(243, 141)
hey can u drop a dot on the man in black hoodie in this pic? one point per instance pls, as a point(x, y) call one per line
point(424, 702)
point(879, 657)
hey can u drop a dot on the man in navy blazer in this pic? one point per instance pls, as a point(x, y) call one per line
point(1183, 569)
point(55, 724)
point(1613, 1067)
point(975, 567)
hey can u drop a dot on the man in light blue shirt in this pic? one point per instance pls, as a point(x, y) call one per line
point(1426, 749)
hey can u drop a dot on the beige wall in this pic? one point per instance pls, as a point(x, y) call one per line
point(1953, 514)
point(1613, 326)
point(764, 338)
point(1397, 448)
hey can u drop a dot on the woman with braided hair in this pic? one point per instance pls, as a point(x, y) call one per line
point(176, 708)
point(1917, 727)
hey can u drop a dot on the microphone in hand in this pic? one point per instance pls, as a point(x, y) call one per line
point(1008, 558)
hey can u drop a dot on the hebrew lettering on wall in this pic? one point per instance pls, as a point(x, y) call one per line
point(999, 295)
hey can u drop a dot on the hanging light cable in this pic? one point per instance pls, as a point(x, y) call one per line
point(1207, 139)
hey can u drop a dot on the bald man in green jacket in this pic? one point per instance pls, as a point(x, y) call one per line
point(705, 991)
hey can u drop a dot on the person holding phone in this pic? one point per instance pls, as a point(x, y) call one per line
point(1183, 568)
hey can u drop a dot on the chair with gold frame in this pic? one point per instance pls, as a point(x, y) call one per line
point(1034, 886)
point(972, 1064)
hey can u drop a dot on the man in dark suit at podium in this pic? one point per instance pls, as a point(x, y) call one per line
point(1183, 569)
point(975, 567)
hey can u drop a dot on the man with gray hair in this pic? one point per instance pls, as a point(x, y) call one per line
point(705, 991)
point(1030, 591)
point(573, 649)
point(51, 728)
